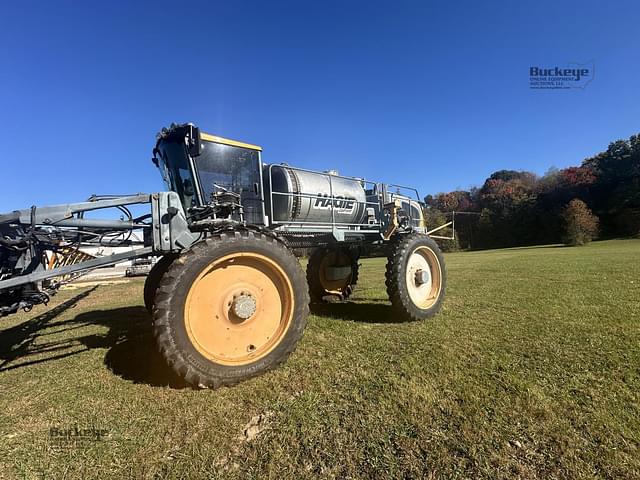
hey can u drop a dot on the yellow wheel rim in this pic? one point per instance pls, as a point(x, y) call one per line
point(239, 308)
point(424, 277)
point(333, 259)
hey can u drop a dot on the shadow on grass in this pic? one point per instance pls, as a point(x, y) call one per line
point(358, 312)
point(131, 351)
point(20, 341)
point(133, 354)
point(532, 247)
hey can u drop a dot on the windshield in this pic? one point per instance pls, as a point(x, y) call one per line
point(235, 169)
point(174, 167)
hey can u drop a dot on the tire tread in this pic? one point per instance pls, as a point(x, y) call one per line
point(164, 317)
point(395, 278)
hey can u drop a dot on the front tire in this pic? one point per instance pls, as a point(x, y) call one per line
point(230, 308)
point(153, 280)
point(415, 277)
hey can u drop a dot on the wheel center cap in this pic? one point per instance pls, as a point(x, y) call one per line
point(422, 277)
point(244, 306)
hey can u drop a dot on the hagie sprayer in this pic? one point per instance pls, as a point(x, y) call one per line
point(228, 297)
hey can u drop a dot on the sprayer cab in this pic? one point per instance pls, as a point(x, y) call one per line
point(211, 174)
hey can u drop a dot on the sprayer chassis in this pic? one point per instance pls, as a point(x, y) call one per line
point(228, 297)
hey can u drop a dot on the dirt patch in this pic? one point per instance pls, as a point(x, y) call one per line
point(257, 425)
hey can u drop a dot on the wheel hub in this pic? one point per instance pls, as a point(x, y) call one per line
point(244, 306)
point(422, 277)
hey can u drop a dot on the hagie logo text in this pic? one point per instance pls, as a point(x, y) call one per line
point(340, 203)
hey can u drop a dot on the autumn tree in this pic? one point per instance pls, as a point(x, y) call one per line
point(507, 199)
point(581, 226)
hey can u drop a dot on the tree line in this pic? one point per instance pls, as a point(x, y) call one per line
point(518, 208)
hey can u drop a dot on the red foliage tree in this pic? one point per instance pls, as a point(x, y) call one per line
point(577, 176)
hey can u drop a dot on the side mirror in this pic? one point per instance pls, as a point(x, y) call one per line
point(195, 145)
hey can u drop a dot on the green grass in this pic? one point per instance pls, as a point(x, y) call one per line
point(532, 370)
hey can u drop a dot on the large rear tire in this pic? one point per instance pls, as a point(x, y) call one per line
point(153, 280)
point(415, 277)
point(322, 283)
point(230, 308)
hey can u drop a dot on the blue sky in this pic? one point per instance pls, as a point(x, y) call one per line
point(433, 94)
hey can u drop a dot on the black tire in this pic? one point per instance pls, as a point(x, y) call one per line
point(169, 318)
point(400, 252)
point(317, 290)
point(153, 280)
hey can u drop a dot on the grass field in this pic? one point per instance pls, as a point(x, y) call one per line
point(532, 370)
